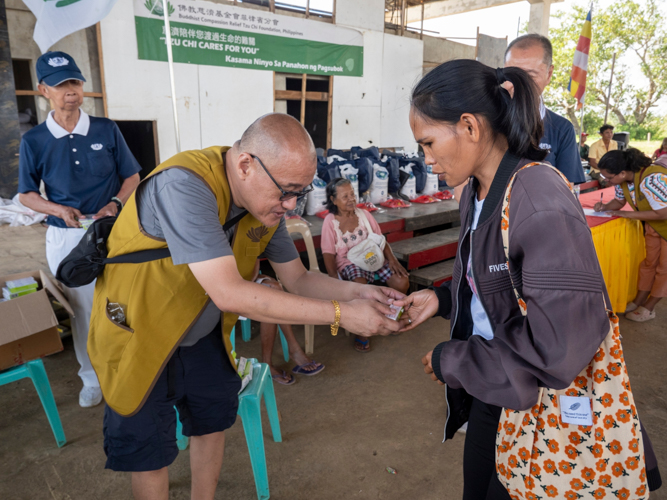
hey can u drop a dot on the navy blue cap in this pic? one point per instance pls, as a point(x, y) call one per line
point(53, 68)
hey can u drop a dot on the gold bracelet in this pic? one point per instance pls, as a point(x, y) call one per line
point(336, 323)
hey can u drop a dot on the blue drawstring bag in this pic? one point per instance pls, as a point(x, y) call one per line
point(418, 170)
point(391, 164)
point(338, 152)
point(327, 171)
point(373, 153)
point(365, 174)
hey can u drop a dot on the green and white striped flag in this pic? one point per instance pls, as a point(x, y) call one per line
point(58, 18)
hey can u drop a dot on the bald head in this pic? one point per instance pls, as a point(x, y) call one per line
point(278, 136)
point(275, 157)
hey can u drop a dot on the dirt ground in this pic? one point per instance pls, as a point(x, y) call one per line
point(340, 429)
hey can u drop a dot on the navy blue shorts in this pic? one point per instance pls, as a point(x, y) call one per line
point(198, 380)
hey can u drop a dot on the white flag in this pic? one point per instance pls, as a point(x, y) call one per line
point(58, 18)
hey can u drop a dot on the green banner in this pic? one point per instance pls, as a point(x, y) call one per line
point(207, 45)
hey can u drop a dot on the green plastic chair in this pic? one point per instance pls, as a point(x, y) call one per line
point(34, 370)
point(251, 416)
point(245, 335)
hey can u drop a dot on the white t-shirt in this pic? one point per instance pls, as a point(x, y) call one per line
point(481, 324)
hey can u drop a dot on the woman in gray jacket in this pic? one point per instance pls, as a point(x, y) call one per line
point(482, 125)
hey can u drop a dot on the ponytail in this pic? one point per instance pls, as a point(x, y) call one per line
point(618, 161)
point(467, 86)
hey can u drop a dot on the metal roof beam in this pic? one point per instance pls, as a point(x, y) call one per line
point(442, 8)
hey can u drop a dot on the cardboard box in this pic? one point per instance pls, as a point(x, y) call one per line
point(28, 325)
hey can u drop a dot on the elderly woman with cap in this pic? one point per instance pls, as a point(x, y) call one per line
point(87, 170)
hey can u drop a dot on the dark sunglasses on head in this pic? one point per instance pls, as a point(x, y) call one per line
point(286, 195)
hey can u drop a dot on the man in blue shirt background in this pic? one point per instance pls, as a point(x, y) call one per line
point(533, 54)
point(88, 172)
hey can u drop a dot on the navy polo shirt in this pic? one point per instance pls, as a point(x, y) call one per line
point(560, 138)
point(83, 169)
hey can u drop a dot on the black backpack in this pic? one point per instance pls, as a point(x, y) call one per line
point(86, 261)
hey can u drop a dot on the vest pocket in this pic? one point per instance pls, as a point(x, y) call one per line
point(118, 336)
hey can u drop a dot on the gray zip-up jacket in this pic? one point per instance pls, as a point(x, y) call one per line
point(555, 267)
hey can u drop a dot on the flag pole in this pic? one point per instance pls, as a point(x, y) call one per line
point(170, 59)
point(583, 97)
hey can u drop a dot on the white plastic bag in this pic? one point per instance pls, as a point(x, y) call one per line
point(12, 212)
point(317, 198)
point(431, 186)
point(351, 173)
point(409, 189)
point(333, 158)
point(378, 192)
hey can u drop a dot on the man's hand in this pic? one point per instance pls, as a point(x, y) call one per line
point(419, 307)
point(368, 317)
point(108, 210)
point(428, 368)
point(71, 216)
point(396, 268)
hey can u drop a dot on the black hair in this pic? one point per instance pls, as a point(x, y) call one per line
point(618, 161)
point(467, 86)
point(530, 40)
point(606, 126)
point(332, 192)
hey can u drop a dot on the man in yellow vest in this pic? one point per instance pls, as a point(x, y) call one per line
point(160, 331)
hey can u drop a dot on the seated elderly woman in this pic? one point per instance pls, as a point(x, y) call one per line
point(346, 227)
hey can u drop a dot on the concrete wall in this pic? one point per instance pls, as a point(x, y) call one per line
point(373, 110)
point(215, 104)
point(401, 70)
point(491, 50)
point(10, 133)
point(440, 50)
point(365, 14)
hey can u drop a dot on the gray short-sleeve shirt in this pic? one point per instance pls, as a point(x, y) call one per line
point(178, 206)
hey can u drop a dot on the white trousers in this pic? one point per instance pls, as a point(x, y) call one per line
point(59, 243)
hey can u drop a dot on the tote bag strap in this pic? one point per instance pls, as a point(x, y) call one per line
point(380, 239)
point(362, 217)
point(505, 226)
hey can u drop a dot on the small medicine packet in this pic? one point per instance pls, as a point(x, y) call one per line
point(398, 312)
point(87, 222)
point(117, 313)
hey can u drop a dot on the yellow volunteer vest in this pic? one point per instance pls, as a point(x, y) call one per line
point(162, 301)
point(642, 203)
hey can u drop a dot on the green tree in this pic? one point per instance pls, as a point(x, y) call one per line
point(626, 27)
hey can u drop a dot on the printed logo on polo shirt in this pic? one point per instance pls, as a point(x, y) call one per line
point(96, 147)
point(58, 61)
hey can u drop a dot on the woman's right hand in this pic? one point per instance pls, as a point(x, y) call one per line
point(599, 207)
point(419, 307)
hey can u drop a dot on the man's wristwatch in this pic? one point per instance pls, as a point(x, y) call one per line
point(118, 203)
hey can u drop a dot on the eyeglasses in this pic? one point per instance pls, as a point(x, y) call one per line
point(610, 178)
point(286, 195)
